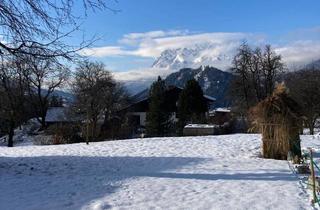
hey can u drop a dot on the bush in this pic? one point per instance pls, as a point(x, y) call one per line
point(42, 139)
point(64, 134)
point(116, 130)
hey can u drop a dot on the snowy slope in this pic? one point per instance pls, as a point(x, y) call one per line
point(214, 172)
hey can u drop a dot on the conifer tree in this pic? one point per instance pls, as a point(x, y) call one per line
point(192, 106)
point(158, 117)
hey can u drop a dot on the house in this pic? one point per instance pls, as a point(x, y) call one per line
point(60, 115)
point(219, 116)
point(200, 130)
point(139, 107)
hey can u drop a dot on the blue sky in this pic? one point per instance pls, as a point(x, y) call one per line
point(125, 35)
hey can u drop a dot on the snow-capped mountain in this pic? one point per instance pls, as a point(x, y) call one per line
point(192, 57)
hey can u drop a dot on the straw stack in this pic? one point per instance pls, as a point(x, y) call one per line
point(278, 118)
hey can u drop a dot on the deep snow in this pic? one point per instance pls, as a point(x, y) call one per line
point(214, 172)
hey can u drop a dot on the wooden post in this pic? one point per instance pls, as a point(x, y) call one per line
point(313, 178)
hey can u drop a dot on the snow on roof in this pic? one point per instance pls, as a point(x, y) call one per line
point(200, 126)
point(58, 114)
point(222, 110)
point(209, 98)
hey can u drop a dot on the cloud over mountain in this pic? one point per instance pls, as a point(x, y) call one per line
point(176, 49)
point(153, 43)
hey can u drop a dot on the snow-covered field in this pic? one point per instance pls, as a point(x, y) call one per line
point(214, 172)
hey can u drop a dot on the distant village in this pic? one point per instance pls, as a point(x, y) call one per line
point(131, 121)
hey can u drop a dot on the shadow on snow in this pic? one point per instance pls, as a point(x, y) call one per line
point(70, 182)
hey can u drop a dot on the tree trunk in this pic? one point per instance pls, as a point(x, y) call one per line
point(245, 91)
point(94, 129)
point(87, 129)
point(311, 129)
point(87, 133)
point(311, 124)
point(43, 116)
point(11, 133)
point(43, 122)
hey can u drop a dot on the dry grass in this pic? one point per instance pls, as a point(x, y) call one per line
point(278, 119)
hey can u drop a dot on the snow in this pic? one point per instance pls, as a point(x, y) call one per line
point(212, 172)
point(200, 126)
point(209, 98)
point(22, 135)
point(222, 110)
point(193, 56)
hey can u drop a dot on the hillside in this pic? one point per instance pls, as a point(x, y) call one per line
point(213, 81)
point(314, 64)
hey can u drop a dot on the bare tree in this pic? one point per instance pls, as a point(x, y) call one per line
point(241, 66)
point(43, 76)
point(38, 29)
point(256, 72)
point(272, 67)
point(13, 87)
point(304, 87)
point(42, 25)
point(118, 99)
point(93, 87)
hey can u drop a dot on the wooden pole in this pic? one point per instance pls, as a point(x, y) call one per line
point(313, 178)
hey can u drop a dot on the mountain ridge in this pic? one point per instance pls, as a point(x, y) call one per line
point(213, 81)
point(192, 57)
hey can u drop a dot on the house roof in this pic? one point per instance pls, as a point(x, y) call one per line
point(59, 114)
point(141, 96)
point(144, 95)
point(210, 98)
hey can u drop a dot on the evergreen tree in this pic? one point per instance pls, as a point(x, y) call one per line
point(56, 101)
point(192, 106)
point(158, 118)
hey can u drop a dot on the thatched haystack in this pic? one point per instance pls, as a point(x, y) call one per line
point(278, 118)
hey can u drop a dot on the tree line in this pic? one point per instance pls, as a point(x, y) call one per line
point(27, 90)
point(35, 55)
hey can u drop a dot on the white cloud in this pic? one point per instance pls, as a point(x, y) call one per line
point(144, 74)
point(296, 48)
point(300, 52)
point(154, 47)
point(135, 38)
point(151, 44)
point(103, 51)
